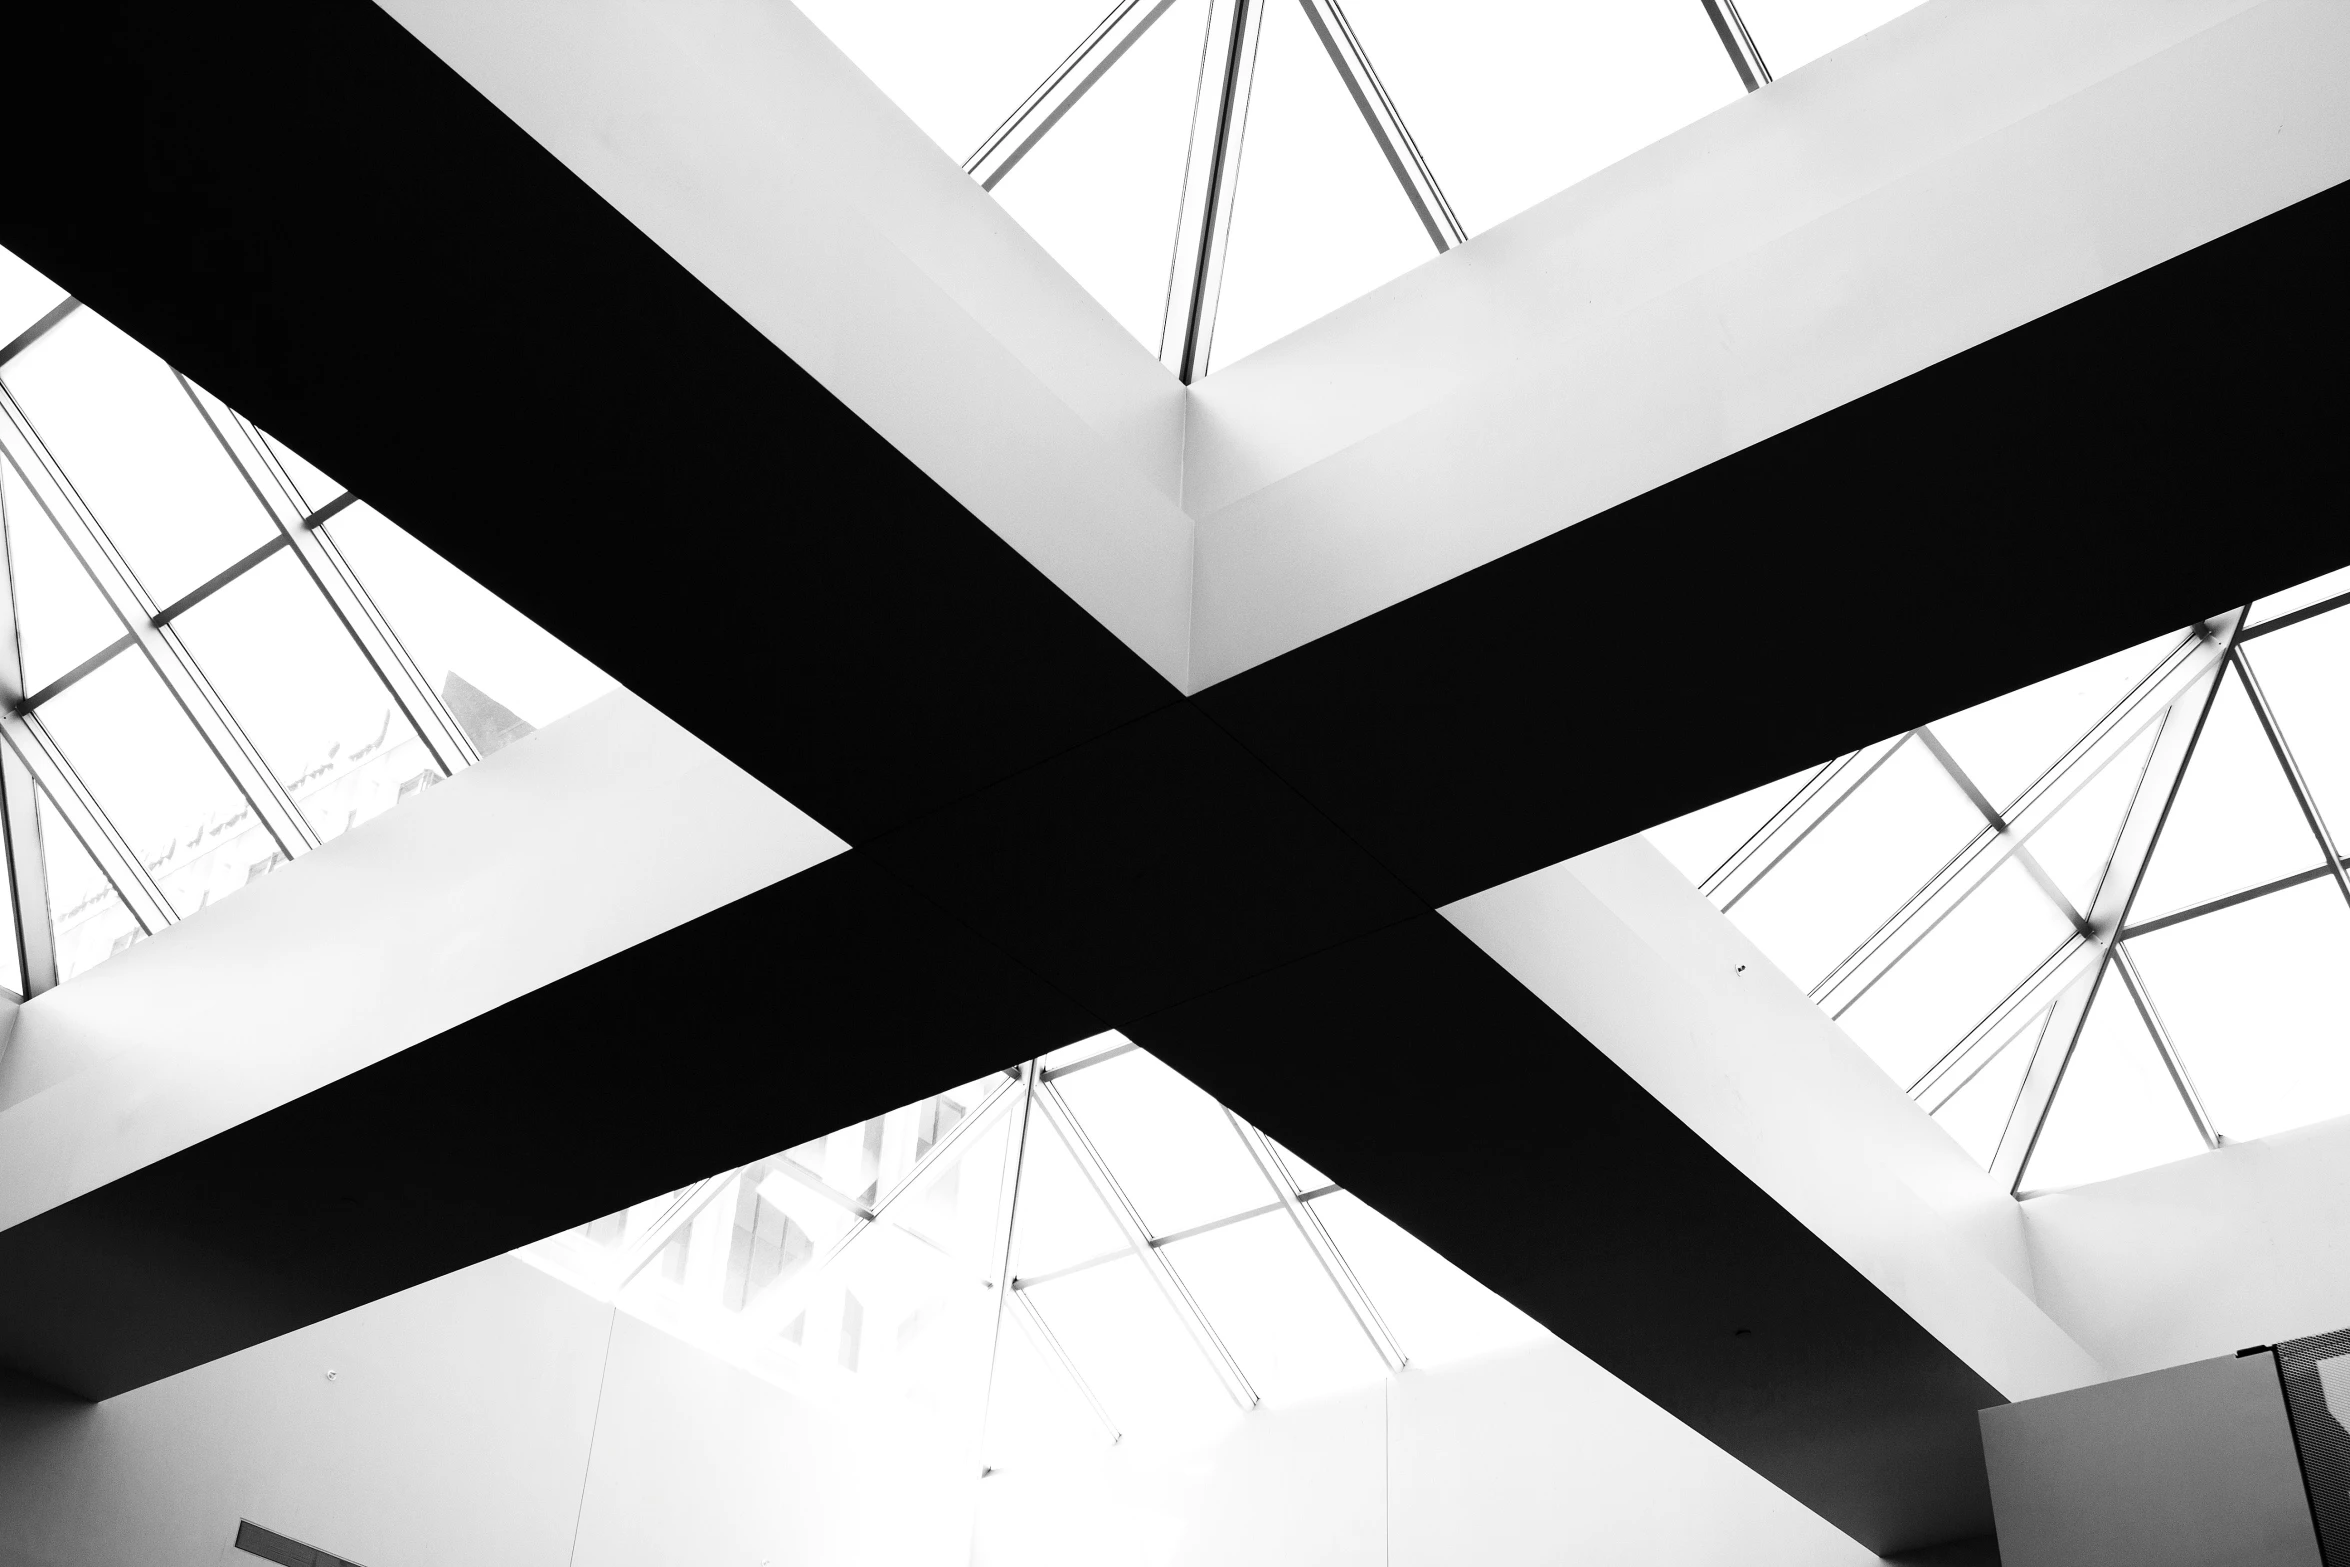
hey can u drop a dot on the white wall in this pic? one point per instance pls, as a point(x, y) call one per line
point(1619, 944)
point(1970, 166)
point(597, 832)
point(2246, 1245)
point(737, 137)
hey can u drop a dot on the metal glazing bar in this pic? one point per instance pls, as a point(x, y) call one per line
point(398, 673)
point(2135, 983)
point(2014, 1041)
point(1096, 1059)
point(1806, 792)
point(2183, 721)
point(2325, 606)
point(1007, 1231)
point(53, 492)
point(20, 837)
point(1745, 58)
point(2035, 994)
point(1865, 763)
point(71, 803)
point(676, 1217)
point(1317, 1237)
point(1138, 1240)
point(39, 329)
point(2017, 849)
point(197, 595)
point(1123, 1252)
point(1058, 93)
point(1403, 155)
point(88, 666)
point(2284, 753)
point(1211, 177)
point(1048, 1343)
point(2214, 905)
point(792, 1169)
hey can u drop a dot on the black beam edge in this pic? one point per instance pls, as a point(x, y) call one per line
point(2161, 451)
point(1414, 1071)
point(834, 987)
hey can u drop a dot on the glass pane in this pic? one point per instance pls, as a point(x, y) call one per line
point(1792, 33)
point(1103, 189)
point(1512, 100)
point(25, 297)
point(1167, 1142)
point(131, 440)
point(2116, 1108)
point(61, 618)
point(1060, 1221)
point(2234, 824)
point(162, 787)
point(500, 675)
point(88, 921)
point(2255, 1003)
point(2075, 845)
point(955, 68)
point(1977, 1112)
point(1700, 842)
point(2315, 591)
point(2005, 744)
point(312, 488)
point(1859, 865)
point(1436, 1311)
point(2305, 670)
point(1317, 217)
point(304, 694)
point(1259, 1285)
point(1131, 1346)
point(1955, 975)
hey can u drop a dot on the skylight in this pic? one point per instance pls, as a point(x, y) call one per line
point(215, 658)
point(1171, 1268)
point(2095, 925)
point(1220, 172)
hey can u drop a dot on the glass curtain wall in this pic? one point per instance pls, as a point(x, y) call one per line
point(2095, 925)
point(214, 658)
point(1218, 173)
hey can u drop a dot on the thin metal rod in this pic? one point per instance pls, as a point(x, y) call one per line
point(197, 595)
point(38, 330)
point(1122, 1253)
point(88, 666)
point(20, 834)
point(1318, 1240)
point(2135, 983)
point(681, 1213)
point(2214, 905)
point(1096, 1059)
point(1007, 1232)
point(2325, 606)
point(1378, 110)
point(1211, 178)
point(1745, 58)
point(1048, 1343)
point(1059, 92)
point(1162, 1272)
point(2302, 796)
point(1755, 841)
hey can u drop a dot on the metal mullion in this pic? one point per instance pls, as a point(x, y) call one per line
point(33, 749)
point(2300, 785)
point(198, 594)
point(2325, 606)
point(1155, 1262)
point(1096, 1059)
point(1753, 843)
point(2034, 994)
point(20, 834)
point(2164, 1045)
point(1211, 175)
point(1318, 1240)
point(1387, 128)
point(2141, 832)
point(38, 330)
point(2214, 905)
point(54, 493)
point(1104, 1259)
point(1059, 92)
point(366, 626)
point(1031, 1317)
point(1745, 58)
point(1007, 1229)
point(1813, 825)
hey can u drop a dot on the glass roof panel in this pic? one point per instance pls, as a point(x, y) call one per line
point(1102, 190)
point(1793, 33)
point(1132, 1349)
point(1957, 973)
point(1061, 1221)
point(2300, 596)
point(1513, 100)
point(1699, 843)
point(2005, 744)
point(2304, 671)
point(2255, 1003)
point(1318, 217)
point(133, 442)
point(1166, 1141)
point(1258, 1282)
point(25, 297)
point(1977, 1112)
point(153, 774)
point(1861, 864)
point(2075, 845)
point(311, 487)
point(61, 617)
point(956, 69)
point(88, 921)
point(2234, 823)
point(323, 721)
point(2116, 1108)
point(1301, 1174)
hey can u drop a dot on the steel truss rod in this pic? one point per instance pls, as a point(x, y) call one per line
point(1137, 1236)
point(1745, 58)
point(1122, 1253)
point(2126, 966)
point(2324, 606)
point(1007, 1208)
point(1317, 1238)
point(1797, 820)
point(1058, 93)
point(20, 836)
point(1387, 128)
point(1211, 175)
point(2214, 905)
point(1030, 1316)
point(2183, 722)
point(1127, 1047)
point(2300, 785)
